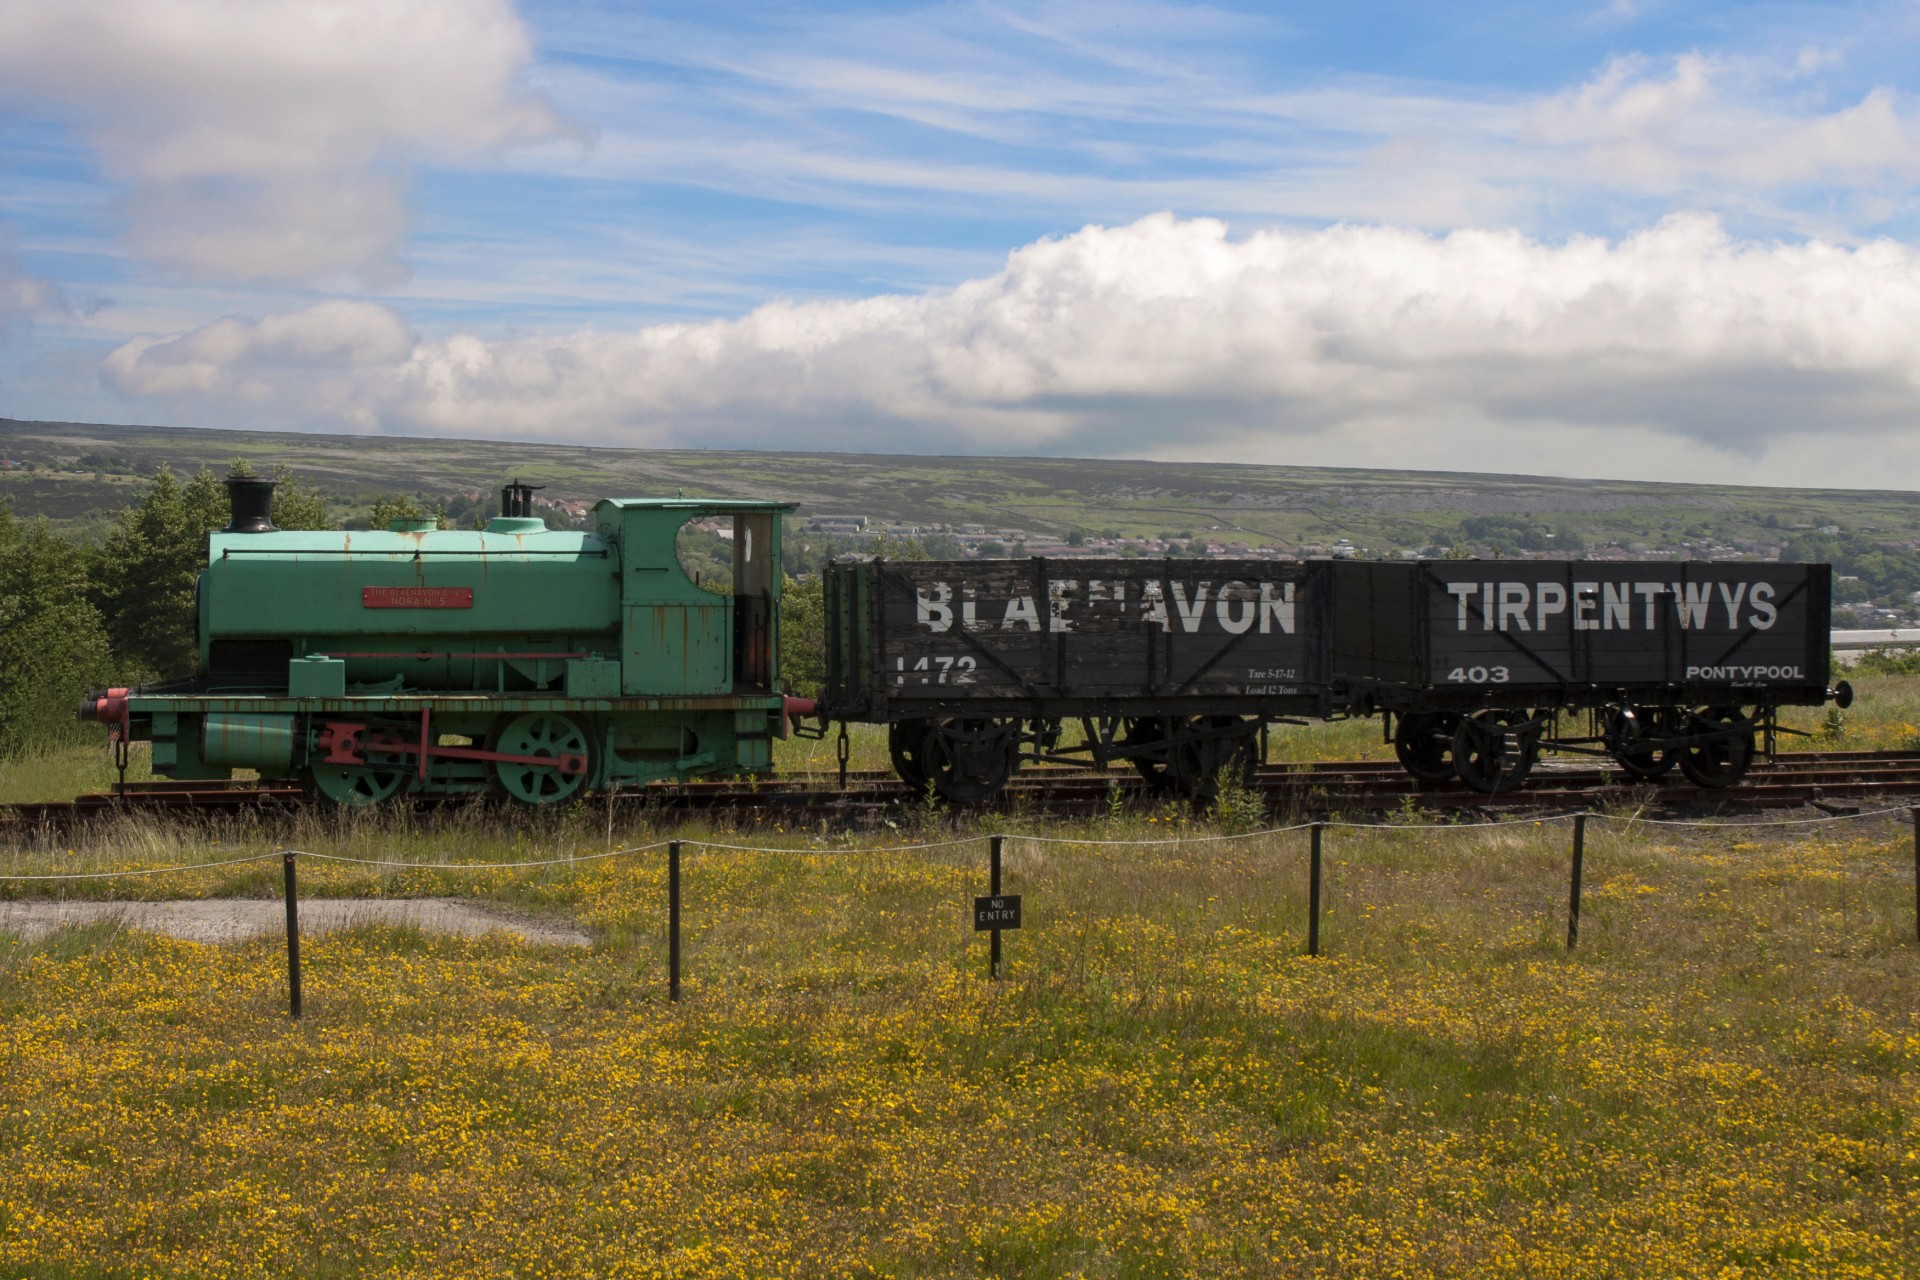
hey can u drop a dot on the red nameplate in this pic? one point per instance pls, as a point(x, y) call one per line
point(416, 597)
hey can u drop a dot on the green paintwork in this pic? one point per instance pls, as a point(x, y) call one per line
point(532, 592)
point(665, 689)
point(593, 678)
point(678, 637)
point(316, 678)
point(263, 742)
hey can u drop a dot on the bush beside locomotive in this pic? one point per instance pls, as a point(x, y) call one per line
point(518, 660)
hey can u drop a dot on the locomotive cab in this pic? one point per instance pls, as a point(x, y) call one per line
point(677, 636)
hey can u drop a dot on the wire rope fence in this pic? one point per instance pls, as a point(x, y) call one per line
point(995, 911)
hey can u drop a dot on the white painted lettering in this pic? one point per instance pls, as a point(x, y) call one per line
point(1731, 599)
point(935, 611)
point(1765, 612)
point(1153, 605)
point(1616, 608)
point(1649, 591)
point(1058, 591)
point(1020, 609)
point(1464, 593)
point(1231, 594)
point(1690, 601)
point(1583, 606)
point(1513, 606)
point(1190, 614)
point(1274, 610)
point(1549, 598)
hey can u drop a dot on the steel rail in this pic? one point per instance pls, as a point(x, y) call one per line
point(1794, 779)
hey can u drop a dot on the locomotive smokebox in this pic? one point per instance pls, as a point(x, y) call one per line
point(251, 501)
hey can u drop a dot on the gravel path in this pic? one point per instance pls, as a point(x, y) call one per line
point(233, 919)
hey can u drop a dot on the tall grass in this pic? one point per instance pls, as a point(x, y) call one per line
point(1718, 1082)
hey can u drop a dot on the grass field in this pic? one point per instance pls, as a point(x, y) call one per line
point(1720, 1081)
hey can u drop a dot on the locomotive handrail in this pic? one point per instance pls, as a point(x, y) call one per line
point(477, 553)
point(435, 653)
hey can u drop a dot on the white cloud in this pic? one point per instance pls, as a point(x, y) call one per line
point(1636, 127)
point(23, 296)
point(1166, 336)
point(269, 139)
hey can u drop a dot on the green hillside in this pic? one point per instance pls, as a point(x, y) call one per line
point(77, 475)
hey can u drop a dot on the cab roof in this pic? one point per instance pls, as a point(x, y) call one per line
point(697, 504)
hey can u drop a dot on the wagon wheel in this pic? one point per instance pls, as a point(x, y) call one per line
point(906, 744)
point(1493, 752)
point(540, 733)
point(1629, 729)
point(1150, 733)
point(1424, 744)
point(1724, 759)
point(1205, 745)
point(969, 760)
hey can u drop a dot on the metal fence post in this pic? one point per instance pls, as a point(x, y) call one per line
point(1915, 815)
point(1573, 892)
point(673, 921)
point(993, 890)
point(1313, 893)
point(287, 858)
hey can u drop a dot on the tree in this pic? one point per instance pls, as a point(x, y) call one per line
point(803, 636)
point(389, 507)
point(53, 649)
point(887, 547)
point(147, 574)
point(297, 504)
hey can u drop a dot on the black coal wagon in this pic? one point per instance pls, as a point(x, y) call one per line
point(975, 666)
point(1474, 663)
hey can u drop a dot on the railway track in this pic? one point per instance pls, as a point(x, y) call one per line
point(1831, 780)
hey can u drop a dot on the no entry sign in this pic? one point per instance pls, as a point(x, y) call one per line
point(1001, 911)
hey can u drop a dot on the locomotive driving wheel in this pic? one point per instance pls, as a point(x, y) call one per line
point(354, 787)
point(1494, 751)
point(969, 760)
point(381, 777)
point(544, 735)
point(1721, 751)
point(1424, 744)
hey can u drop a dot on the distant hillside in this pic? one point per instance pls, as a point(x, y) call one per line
point(77, 474)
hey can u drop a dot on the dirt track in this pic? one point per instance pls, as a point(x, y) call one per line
point(235, 919)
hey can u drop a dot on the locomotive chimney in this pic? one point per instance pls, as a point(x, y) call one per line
point(250, 498)
point(516, 499)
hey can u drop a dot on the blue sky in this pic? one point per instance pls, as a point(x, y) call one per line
point(1616, 239)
